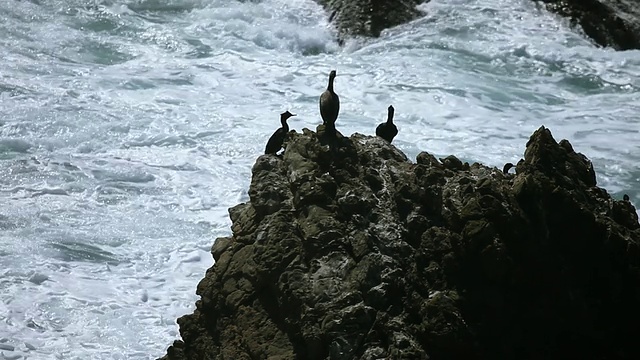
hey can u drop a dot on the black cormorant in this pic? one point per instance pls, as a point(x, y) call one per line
point(329, 104)
point(388, 130)
point(277, 139)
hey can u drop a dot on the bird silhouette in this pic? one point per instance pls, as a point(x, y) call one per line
point(388, 130)
point(330, 104)
point(277, 139)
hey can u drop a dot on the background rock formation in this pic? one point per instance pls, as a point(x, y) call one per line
point(613, 23)
point(369, 18)
point(347, 250)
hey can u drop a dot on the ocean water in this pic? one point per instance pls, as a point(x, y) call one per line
point(128, 127)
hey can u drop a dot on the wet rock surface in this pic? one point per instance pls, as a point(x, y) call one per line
point(369, 18)
point(612, 23)
point(347, 250)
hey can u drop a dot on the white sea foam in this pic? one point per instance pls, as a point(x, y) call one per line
point(130, 126)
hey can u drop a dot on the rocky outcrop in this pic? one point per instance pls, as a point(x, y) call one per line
point(347, 250)
point(613, 23)
point(369, 18)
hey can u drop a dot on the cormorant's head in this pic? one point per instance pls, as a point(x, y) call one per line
point(332, 75)
point(285, 115)
point(391, 112)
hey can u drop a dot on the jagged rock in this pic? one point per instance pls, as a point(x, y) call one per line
point(369, 18)
point(613, 23)
point(347, 250)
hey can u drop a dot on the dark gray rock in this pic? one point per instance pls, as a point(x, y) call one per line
point(612, 23)
point(369, 18)
point(347, 250)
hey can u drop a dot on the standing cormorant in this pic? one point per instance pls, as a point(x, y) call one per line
point(329, 104)
point(277, 139)
point(388, 130)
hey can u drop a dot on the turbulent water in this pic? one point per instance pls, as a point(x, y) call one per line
point(128, 127)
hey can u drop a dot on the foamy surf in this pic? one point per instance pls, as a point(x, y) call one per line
point(130, 127)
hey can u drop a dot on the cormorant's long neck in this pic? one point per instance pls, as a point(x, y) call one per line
point(285, 126)
point(390, 119)
point(330, 86)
